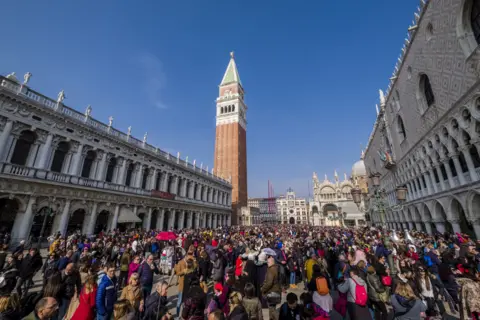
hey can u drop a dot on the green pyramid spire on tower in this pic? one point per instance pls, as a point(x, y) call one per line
point(231, 74)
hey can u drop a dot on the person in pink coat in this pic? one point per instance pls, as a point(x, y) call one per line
point(133, 267)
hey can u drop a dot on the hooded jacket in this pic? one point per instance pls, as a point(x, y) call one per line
point(348, 287)
point(106, 296)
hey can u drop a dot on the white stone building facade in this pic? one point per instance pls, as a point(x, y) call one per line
point(249, 216)
point(87, 175)
point(292, 209)
point(427, 133)
point(332, 204)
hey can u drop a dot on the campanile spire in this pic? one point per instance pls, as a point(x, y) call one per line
point(231, 136)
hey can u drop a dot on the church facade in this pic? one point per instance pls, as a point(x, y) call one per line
point(426, 135)
point(230, 159)
point(62, 170)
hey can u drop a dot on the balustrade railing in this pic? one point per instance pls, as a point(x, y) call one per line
point(41, 174)
point(86, 119)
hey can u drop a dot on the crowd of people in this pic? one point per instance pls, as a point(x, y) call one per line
point(296, 272)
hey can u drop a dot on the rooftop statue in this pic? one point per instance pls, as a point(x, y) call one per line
point(61, 96)
point(26, 78)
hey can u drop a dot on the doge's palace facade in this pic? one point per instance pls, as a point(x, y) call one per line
point(426, 136)
point(64, 167)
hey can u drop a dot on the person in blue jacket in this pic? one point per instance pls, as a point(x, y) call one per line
point(106, 295)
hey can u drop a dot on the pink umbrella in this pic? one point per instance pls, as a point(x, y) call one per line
point(166, 235)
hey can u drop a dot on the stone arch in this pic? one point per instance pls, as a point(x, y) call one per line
point(473, 204)
point(9, 209)
point(39, 219)
point(154, 219)
point(23, 147)
point(88, 162)
point(329, 208)
point(101, 223)
point(76, 220)
point(427, 218)
point(464, 30)
point(441, 217)
point(314, 210)
point(59, 155)
point(458, 213)
point(166, 219)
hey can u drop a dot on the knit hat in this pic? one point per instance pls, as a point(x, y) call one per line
point(218, 287)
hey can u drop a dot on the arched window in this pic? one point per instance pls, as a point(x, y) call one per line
point(22, 148)
point(401, 129)
point(451, 164)
point(475, 19)
point(59, 156)
point(170, 184)
point(221, 110)
point(427, 90)
point(475, 157)
point(145, 177)
point(110, 169)
point(87, 163)
point(233, 108)
point(158, 181)
point(128, 180)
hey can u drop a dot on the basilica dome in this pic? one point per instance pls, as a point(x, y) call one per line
point(359, 169)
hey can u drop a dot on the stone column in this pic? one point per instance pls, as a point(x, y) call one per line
point(199, 189)
point(77, 158)
point(115, 218)
point(152, 178)
point(121, 174)
point(410, 193)
point(44, 152)
point(197, 220)
point(432, 179)
point(451, 182)
point(21, 227)
point(190, 190)
point(174, 185)
point(93, 219)
point(7, 130)
point(458, 167)
point(418, 226)
point(428, 226)
point(148, 220)
point(181, 221)
point(190, 220)
point(476, 226)
point(229, 220)
point(101, 167)
point(64, 218)
point(440, 226)
point(164, 184)
point(428, 182)
point(455, 225)
point(469, 161)
point(417, 184)
point(160, 220)
point(171, 219)
point(410, 225)
point(440, 176)
point(139, 175)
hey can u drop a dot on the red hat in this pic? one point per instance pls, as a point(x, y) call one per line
point(218, 287)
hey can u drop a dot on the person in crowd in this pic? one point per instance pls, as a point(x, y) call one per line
point(290, 310)
point(71, 285)
point(45, 309)
point(146, 271)
point(122, 310)
point(124, 268)
point(406, 306)
point(30, 264)
point(133, 266)
point(86, 307)
point(252, 304)
point(156, 303)
point(50, 266)
point(106, 295)
point(356, 290)
point(10, 308)
point(134, 294)
point(271, 288)
point(237, 310)
point(65, 260)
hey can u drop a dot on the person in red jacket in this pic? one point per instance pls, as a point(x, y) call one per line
point(86, 306)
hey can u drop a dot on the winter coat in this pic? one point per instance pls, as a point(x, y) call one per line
point(348, 286)
point(382, 251)
point(435, 262)
point(238, 313)
point(85, 309)
point(30, 265)
point(133, 267)
point(124, 262)
point(155, 306)
point(400, 306)
point(106, 296)
point(146, 274)
point(49, 268)
point(217, 269)
point(253, 307)
point(63, 262)
point(272, 281)
point(375, 287)
point(134, 295)
point(204, 268)
point(71, 282)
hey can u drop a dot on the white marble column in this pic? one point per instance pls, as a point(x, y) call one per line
point(469, 161)
point(4, 136)
point(121, 173)
point(93, 219)
point(77, 158)
point(174, 185)
point(33, 154)
point(160, 219)
point(190, 190)
point(441, 178)
point(184, 188)
point(189, 219)
point(138, 175)
point(440, 226)
point(455, 225)
point(451, 182)
point(64, 218)
point(101, 167)
point(164, 184)
point(197, 225)
point(171, 220)
point(428, 227)
point(21, 226)
point(458, 168)
point(153, 179)
point(147, 220)
point(44, 152)
point(115, 218)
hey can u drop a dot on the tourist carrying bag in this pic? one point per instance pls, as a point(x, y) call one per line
point(360, 294)
point(322, 286)
point(387, 281)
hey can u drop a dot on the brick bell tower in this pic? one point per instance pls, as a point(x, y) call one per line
point(231, 136)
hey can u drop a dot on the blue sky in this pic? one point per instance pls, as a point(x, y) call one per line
point(311, 71)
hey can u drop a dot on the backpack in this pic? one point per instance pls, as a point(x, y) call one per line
point(427, 260)
point(360, 294)
point(3, 276)
point(322, 286)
